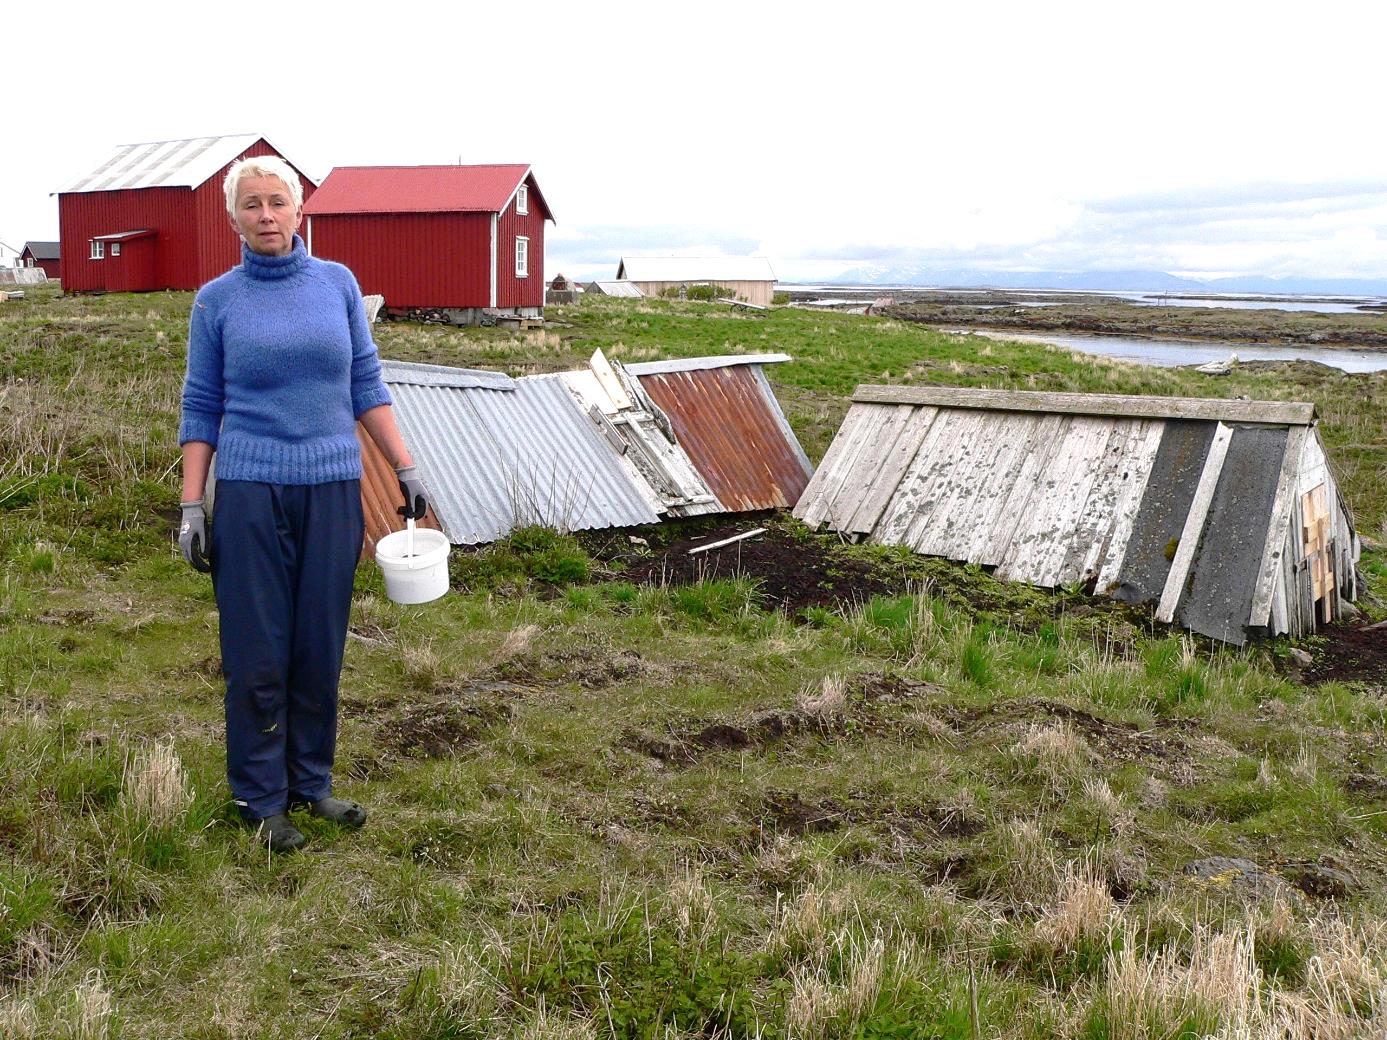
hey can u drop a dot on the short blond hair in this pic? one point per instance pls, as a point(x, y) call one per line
point(261, 166)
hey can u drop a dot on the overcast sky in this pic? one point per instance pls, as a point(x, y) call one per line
point(1202, 138)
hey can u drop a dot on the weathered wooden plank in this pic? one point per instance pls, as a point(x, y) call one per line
point(1218, 596)
point(916, 499)
point(1046, 529)
point(930, 534)
point(1194, 524)
point(818, 503)
point(1141, 460)
point(1284, 567)
point(1015, 436)
point(897, 458)
point(859, 480)
point(1278, 525)
point(1095, 517)
point(1049, 435)
point(1277, 413)
point(1164, 507)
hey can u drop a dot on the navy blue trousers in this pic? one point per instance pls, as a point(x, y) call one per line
point(283, 560)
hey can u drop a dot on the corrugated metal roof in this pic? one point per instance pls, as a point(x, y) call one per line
point(497, 459)
point(729, 423)
point(420, 189)
point(417, 374)
point(162, 164)
point(695, 269)
point(701, 364)
point(1184, 501)
point(627, 290)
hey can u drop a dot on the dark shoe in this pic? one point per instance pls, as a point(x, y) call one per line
point(281, 835)
point(336, 810)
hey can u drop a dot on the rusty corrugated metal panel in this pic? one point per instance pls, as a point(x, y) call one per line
point(736, 437)
point(380, 496)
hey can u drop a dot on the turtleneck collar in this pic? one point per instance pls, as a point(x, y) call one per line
point(269, 268)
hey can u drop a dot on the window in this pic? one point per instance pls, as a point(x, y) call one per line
point(115, 249)
point(29, 262)
point(98, 249)
point(522, 200)
point(522, 257)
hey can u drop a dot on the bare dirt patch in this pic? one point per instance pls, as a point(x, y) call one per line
point(1350, 653)
point(439, 722)
point(790, 573)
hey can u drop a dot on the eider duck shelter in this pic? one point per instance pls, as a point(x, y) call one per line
point(1223, 513)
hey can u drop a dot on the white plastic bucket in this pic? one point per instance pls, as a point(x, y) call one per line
point(418, 577)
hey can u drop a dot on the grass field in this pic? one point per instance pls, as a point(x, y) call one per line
point(603, 808)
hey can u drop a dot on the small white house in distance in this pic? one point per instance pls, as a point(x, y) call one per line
point(748, 278)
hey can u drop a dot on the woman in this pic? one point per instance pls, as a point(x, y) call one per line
point(281, 365)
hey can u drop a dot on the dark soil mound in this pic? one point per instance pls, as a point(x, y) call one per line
point(790, 573)
point(1350, 653)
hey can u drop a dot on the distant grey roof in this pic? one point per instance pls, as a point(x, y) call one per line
point(499, 457)
point(702, 364)
point(628, 290)
point(161, 164)
point(695, 269)
point(42, 250)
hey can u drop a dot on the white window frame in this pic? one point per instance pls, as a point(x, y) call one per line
point(98, 249)
point(522, 256)
point(522, 200)
point(115, 249)
point(29, 262)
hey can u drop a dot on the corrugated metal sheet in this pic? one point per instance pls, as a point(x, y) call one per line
point(425, 189)
point(161, 164)
point(695, 269)
point(734, 432)
point(497, 459)
point(380, 496)
point(416, 374)
point(1188, 502)
point(700, 364)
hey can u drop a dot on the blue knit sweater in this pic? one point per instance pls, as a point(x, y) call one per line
point(280, 366)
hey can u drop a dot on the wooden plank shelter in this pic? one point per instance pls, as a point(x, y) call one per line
point(1223, 513)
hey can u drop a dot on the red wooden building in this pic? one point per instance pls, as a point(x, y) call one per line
point(464, 242)
point(43, 255)
point(153, 215)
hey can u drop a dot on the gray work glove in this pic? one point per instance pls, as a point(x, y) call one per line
point(412, 488)
point(192, 536)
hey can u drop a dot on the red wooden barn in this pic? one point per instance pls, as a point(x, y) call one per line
point(463, 242)
point(42, 255)
point(153, 215)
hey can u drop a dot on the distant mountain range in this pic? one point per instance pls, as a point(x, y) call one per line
point(1109, 281)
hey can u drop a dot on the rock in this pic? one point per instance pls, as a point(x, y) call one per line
point(1323, 882)
point(1302, 657)
point(1234, 874)
point(1349, 612)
